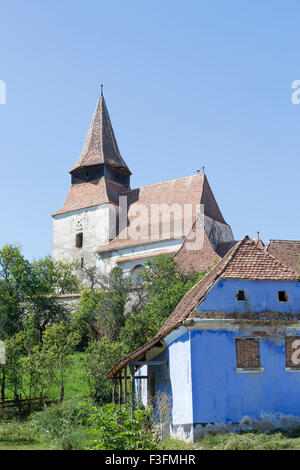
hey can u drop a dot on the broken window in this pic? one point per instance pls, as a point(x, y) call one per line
point(247, 353)
point(292, 352)
point(79, 240)
point(241, 295)
point(282, 296)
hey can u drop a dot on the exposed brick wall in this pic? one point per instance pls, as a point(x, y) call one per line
point(247, 352)
point(292, 351)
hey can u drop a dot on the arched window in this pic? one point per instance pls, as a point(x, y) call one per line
point(136, 274)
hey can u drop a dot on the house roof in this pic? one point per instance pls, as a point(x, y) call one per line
point(245, 260)
point(193, 190)
point(91, 194)
point(287, 251)
point(100, 144)
point(252, 261)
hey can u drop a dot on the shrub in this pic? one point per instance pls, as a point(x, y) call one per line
point(115, 430)
point(64, 424)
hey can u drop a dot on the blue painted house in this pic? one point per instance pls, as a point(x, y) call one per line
point(228, 357)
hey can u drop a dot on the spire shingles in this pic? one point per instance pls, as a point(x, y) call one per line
point(100, 145)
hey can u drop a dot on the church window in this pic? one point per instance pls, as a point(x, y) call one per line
point(247, 353)
point(136, 274)
point(282, 296)
point(241, 295)
point(79, 240)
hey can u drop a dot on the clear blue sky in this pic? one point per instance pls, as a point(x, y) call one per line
point(187, 83)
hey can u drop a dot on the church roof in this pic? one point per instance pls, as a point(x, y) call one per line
point(193, 190)
point(100, 144)
point(287, 251)
point(196, 259)
point(245, 260)
point(91, 194)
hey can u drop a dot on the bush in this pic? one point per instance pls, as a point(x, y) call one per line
point(64, 424)
point(101, 356)
point(115, 430)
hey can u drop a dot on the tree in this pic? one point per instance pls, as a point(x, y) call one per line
point(17, 282)
point(28, 369)
point(55, 277)
point(101, 356)
point(51, 278)
point(59, 342)
point(102, 312)
point(165, 286)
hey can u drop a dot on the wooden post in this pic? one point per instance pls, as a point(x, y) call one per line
point(132, 388)
point(120, 389)
point(114, 389)
point(125, 384)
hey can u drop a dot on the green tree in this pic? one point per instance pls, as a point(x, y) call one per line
point(101, 356)
point(85, 319)
point(165, 286)
point(59, 342)
point(17, 282)
point(102, 312)
point(56, 277)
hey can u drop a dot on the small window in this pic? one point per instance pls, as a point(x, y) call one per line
point(79, 240)
point(241, 295)
point(81, 262)
point(292, 352)
point(282, 296)
point(247, 353)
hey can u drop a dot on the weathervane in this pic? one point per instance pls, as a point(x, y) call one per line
point(199, 171)
point(101, 89)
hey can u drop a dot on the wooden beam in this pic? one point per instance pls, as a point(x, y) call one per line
point(125, 384)
point(150, 363)
point(114, 390)
point(120, 390)
point(132, 388)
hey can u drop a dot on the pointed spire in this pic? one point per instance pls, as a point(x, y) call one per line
point(100, 144)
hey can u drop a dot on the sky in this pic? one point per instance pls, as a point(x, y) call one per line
point(187, 83)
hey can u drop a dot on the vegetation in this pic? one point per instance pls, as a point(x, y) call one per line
point(114, 428)
point(53, 353)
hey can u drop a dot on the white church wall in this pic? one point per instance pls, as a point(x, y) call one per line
point(93, 223)
point(140, 254)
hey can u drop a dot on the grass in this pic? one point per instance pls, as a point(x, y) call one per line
point(46, 430)
point(75, 380)
point(17, 436)
point(279, 440)
point(56, 427)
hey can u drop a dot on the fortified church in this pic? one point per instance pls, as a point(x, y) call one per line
point(105, 223)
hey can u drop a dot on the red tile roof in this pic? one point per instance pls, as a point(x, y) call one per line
point(287, 251)
point(192, 190)
point(91, 194)
point(200, 259)
point(253, 262)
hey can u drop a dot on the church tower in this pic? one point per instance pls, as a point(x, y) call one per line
point(100, 155)
point(88, 217)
